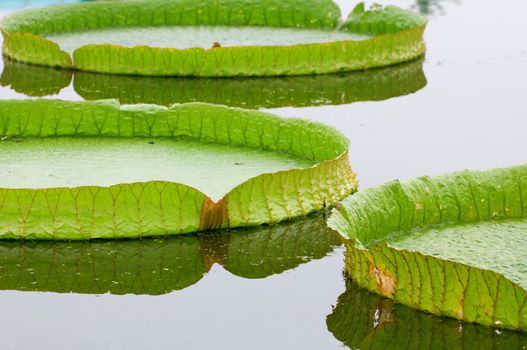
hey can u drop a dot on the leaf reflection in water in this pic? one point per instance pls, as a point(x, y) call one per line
point(160, 266)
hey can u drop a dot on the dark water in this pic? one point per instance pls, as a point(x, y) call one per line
point(464, 107)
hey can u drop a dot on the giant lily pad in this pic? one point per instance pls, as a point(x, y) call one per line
point(213, 39)
point(366, 321)
point(161, 265)
point(452, 245)
point(312, 90)
point(84, 170)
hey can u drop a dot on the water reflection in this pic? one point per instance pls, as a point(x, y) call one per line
point(362, 320)
point(34, 81)
point(335, 89)
point(159, 266)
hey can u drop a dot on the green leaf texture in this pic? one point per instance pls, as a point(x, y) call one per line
point(25, 38)
point(367, 321)
point(155, 208)
point(162, 265)
point(302, 91)
point(382, 20)
point(400, 238)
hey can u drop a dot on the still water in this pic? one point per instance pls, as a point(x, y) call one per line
point(282, 288)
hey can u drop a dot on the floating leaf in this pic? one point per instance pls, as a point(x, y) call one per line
point(312, 90)
point(382, 20)
point(83, 182)
point(162, 265)
point(211, 38)
point(453, 245)
point(366, 321)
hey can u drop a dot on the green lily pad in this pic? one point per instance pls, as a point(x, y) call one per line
point(453, 245)
point(86, 170)
point(162, 265)
point(213, 39)
point(363, 320)
point(311, 90)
